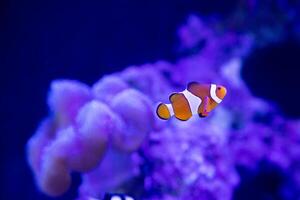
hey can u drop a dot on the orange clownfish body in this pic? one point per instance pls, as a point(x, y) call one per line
point(196, 99)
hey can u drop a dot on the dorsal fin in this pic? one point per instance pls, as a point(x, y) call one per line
point(191, 84)
point(197, 89)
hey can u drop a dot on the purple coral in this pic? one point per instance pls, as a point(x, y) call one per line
point(81, 130)
point(108, 132)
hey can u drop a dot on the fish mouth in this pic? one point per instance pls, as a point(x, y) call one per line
point(225, 90)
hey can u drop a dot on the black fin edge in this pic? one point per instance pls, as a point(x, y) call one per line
point(191, 83)
point(182, 119)
point(201, 115)
point(174, 93)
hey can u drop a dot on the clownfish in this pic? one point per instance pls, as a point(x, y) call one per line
point(195, 99)
point(116, 196)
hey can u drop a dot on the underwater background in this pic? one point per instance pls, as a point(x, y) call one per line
point(80, 82)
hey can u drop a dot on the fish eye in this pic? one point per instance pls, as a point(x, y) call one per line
point(219, 88)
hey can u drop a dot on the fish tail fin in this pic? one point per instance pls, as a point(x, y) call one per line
point(163, 111)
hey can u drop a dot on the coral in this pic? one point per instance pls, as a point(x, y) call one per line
point(109, 132)
point(81, 132)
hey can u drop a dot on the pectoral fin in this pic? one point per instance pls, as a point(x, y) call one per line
point(204, 108)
